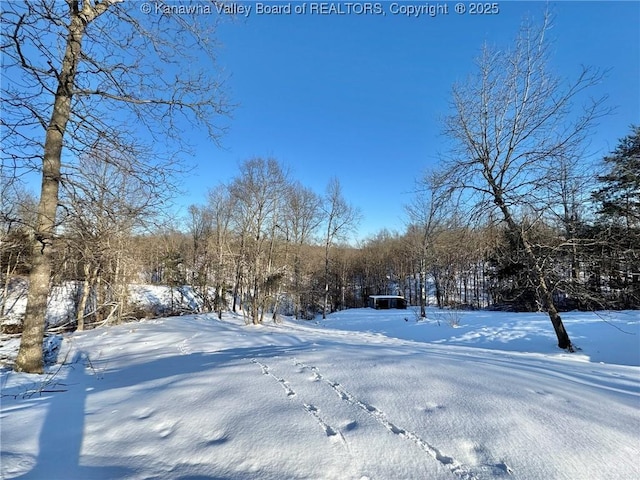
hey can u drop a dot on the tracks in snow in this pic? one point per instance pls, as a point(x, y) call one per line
point(283, 383)
point(457, 468)
point(331, 432)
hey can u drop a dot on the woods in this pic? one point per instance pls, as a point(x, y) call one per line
point(264, 254)
point(507, 218)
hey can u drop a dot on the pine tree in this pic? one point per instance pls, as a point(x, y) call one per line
point(618, 224)
point(619, 196)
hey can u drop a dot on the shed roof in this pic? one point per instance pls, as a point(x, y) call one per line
point(386, 296)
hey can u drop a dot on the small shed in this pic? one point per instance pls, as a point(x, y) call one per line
point(387, 301)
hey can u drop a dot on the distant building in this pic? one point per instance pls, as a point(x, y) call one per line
point(387, 301)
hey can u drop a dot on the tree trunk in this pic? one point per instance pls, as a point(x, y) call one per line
point(545, 294)
point(100, 298)
point(239, 274)
point(547, 298)
point(87, 285)
point(423, 292)
point(5, 288)
point(438, 287)
point(325, 302)
point(30, 355)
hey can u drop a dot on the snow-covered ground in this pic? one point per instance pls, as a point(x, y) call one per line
point(364, 394)
point(61, 304)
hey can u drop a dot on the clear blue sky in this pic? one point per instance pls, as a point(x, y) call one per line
point(361, 97)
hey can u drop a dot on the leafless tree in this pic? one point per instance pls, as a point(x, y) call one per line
point(258, 194)
point(17, 217)
point(340, 219)
point(512, 123)
point(104, 205)
point(85, 71)
point(301, 219)
point(201, 230)
point(426, 215)
point(219, 205)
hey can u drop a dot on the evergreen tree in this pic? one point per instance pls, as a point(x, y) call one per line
point(618, 224)
point(619, 197)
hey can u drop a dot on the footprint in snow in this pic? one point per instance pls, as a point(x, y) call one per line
point(503, 466)
point(350, 426)
point(433, 407)
point(452, 464)
point(331, 432)
point(183, 347)
point(165, 429)
point(283, 383)
point(145, 413)
point(216, 438)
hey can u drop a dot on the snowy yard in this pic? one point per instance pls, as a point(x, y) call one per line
point(365, 394)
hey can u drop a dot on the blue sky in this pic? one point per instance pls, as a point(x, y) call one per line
point(361, 97)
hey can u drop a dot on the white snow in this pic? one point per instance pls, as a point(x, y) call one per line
point(362, 395)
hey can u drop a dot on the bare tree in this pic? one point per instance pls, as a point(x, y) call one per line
point(302, 217)
point(202, 230)
point(257, 196)
point(340, 218)
point(426, 214)
point(82, 71)
point(17, 217)
point(103, 206)
point(512, 123)
point(221, 210)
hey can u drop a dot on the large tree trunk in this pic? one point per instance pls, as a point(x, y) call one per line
point(30, 356)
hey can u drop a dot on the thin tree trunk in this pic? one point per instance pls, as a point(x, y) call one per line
point(87, 285)
point(326, 281)
point(545, 293)
point(5, 288)
point(423, 292)
point(236, 286)
point(98, 317)
point(219, 300)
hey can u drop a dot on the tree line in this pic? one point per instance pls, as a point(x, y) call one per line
point(265, 245)
point(257, 241)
